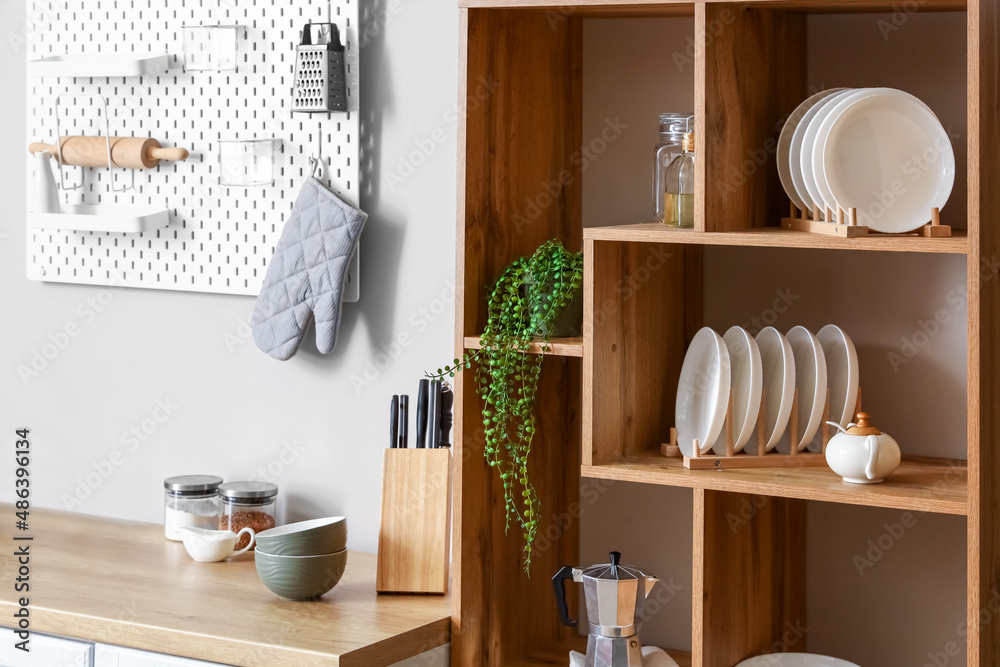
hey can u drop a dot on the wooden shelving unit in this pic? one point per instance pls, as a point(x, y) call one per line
point(601, 398)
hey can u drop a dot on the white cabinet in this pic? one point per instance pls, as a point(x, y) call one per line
point(116, 656)
point(52, 651)
point(46, 651)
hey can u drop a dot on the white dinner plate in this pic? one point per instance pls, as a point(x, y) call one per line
point(888, 155)
point(810, 381)
point(784, 155)
point(819, 143)
point(795, 660)
point(779, 384)
point(702, 392)
point(809, 127)
point(747, 385)
point(842, 371)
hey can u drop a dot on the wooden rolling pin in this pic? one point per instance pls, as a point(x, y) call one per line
point(126, 152)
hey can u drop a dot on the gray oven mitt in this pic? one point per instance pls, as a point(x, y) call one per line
point(305, 277)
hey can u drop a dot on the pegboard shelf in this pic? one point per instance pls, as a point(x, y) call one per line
point(220, 239)
point(116, 65)
point(110, 219)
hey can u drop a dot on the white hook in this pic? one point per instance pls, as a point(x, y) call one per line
point(316, 161)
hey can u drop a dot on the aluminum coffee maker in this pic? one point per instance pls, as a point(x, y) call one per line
point(615, 597)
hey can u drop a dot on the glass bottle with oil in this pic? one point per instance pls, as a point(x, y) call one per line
point(678, 199)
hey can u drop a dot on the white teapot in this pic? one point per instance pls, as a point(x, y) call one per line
point(862, 454)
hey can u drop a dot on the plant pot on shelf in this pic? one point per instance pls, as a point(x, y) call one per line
point(569, 323)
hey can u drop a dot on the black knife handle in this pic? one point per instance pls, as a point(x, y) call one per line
point(404, 419)
point(447, 418)
point(422, 413)
point(394, 422)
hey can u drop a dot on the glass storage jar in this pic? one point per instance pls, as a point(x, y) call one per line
point(672, 129)
point(248, 504)
point(190, 501)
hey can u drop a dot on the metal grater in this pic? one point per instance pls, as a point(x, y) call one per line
point(320, 78)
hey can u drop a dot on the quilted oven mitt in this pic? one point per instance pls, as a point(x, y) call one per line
point(305, 277)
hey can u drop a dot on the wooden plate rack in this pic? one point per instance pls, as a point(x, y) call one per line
point(763, 458)
point(845, 224)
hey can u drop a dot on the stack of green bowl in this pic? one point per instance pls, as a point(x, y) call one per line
point(304, 560)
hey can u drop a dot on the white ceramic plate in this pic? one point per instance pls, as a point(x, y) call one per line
point(809, 129)
point(784, 153)
point(810, 381)
point(842, 371)
point(822, 134)
point(888, 155)
point(702, 392)
point(747, 384)
point(779, 383)
point(795, 660)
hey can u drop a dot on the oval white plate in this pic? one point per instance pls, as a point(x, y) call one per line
point(842, 371)
point(702, 392)
point(809, 130)
point(785, 164)
point(795, 660)
point(779, 383)
point(747, 384)
point(888, 155)
point(810, 381)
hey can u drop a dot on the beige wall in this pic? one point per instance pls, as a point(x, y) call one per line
point(910, 600)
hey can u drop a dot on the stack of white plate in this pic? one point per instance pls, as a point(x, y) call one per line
point(879, 150)
point(770, 365)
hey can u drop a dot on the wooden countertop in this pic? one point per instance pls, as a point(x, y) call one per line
point(121, 582)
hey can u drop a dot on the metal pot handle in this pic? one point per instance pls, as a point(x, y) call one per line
point(559, 585)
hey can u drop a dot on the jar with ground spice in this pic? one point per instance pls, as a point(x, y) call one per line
point(190, 501)
point(248, 504)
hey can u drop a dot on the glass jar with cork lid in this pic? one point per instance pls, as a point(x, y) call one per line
point(672, 129)
point(248, 504)
point(679, 195)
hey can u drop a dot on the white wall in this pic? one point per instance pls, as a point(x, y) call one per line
point(304, 422)
point(910, 601)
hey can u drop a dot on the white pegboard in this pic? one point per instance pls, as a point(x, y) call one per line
point(219, 238)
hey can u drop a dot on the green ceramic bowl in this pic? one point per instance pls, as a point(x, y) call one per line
point(305, 538)
point(300, 577)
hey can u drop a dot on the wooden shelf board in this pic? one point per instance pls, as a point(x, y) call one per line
point(776, 237)
point(558, 347)
point(675, 7)
point(922, 484)
point(558, 655)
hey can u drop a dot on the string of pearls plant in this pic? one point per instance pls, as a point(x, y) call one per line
point(523, 305)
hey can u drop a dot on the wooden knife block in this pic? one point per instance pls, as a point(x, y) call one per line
point(413, 537)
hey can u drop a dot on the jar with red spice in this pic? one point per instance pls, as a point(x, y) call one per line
point(248, 504)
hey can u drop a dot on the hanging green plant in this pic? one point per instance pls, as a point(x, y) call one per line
point(524, 304)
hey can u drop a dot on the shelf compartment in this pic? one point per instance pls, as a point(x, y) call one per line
point(116, 219)
point(558, 347)
point(558, 654)
point(922, 484)
point(776, 237)
point(112, 65)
